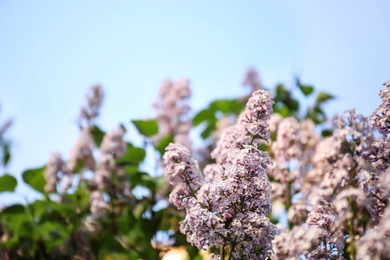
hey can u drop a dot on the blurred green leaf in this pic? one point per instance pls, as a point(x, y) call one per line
point(35, 178)
point(6, 153)
point(146, 127)
point(7, 183)
point(292, 104)
point(14, 209)
point(326, 132)
point(323, 96)
point(209, 129)
point(163, 143)
point(306, 89)
point(227, 106)
point(202, 116)
point(108, 244)
point(280, 92)
point(133, 155)
point(283, 111)
point(97, 135)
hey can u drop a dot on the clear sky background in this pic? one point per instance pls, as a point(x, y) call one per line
point(52, 51)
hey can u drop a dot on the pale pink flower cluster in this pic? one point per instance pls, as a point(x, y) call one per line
point(54, 165)
point(183, 173)
point(343, 181)
point(288, 140)
point(112, 148)
point(290, 244)
point(99, 206)
point(82, 152)
point(91, 110)
point(172, 110)
point(380, 118)
point(229, 210)
point(252, 79)
point(375, 245)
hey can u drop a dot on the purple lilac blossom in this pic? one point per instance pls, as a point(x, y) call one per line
point(380, 118)
point(230, 211)
point(54, 165)
point(172, 110)
point(288, 141)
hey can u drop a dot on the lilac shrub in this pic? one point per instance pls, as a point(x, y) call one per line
point(227, 208)
point(337, 187)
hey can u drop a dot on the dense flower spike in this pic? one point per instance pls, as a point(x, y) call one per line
point(112, 147)
point(288, 140)
point(94, 97)
point(380, 118)
point(172, 110)
point(53, 166)
point(183, 173)
point(376, 243)
point(82, 152)
point(229, 210)
point(252, 79)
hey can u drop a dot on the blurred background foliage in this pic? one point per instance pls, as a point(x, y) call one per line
point(138, 225)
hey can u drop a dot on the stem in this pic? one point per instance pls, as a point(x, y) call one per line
point(222, 252)
point(351, 232)
point(233, 246)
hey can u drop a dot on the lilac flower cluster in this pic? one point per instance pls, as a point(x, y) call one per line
point(183, 173)
point(54, 165)
point(91, 110)
point(252, 79)
point(380, 118)
point(172, 111)
point(111, 148)
point(228, 207)
point(288, 141)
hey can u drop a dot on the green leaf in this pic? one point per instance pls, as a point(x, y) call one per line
point(283, 111)
point(163, 143)
point(221, 105)
point(281, 93)
point(202, 116)
point(227, 106)
point(306, 90)
point(35, 178)
point(326, 132)
point(97, 135)
point(108, 244)
point(7, 183)
point(14, 209)
point(323, 96)
point(146, 127)
point(206, 133)
point(292, 104)
point(133, 155)
point(6, 153)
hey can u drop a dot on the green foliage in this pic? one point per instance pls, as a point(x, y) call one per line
point(6, 154)
point(146, 127)
point(323, 96)
point(7, 183)
point(97, 135)
point(305, 89)
point(49, 228)
point(326, 132)
point(163, 143)
point(35, 179)
point(209, 115)
point(133, 156)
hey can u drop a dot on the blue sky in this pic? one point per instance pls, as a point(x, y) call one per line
point(52, 51)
